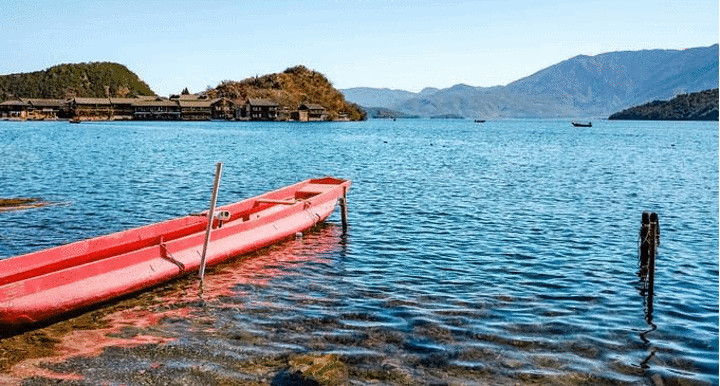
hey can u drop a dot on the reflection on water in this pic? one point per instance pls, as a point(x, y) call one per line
point(136, 322)
point(505, 254)
point(254, 312)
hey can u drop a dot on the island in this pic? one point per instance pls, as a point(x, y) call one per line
point(697, 106)
point(109, 91)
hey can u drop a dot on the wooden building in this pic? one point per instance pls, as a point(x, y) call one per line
point(195, 109)
point(156, 109)
point(310, 112)
point(123, 108)
point(14, 108)
point(223, 108)
point(48, 108)
point(91, 108)
point(261, 109)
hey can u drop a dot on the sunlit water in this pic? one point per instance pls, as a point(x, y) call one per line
point(497, 253)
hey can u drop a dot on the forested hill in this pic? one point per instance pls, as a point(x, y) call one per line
point(87, 80)
point(290, 89)
point(697, 106)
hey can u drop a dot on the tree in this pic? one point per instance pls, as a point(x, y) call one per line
point(123, 91)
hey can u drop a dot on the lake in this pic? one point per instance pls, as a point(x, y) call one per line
point(497, 253)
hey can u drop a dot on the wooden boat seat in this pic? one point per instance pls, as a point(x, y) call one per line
point(271, 201)
point(311, 190)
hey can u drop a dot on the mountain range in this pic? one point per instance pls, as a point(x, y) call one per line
point(582, 86)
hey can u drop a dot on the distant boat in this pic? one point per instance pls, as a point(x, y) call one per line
point(74, 120)
point(479, 121)
point(582, 124)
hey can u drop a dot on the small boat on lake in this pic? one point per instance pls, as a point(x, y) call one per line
point(479, 121)
point(582, 124)
point(46, 285)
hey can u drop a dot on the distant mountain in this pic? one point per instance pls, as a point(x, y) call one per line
point(88, 80)
point(583, 86)
point(372, 97)
point(603, 83)
point(699, 106)
point(381, 97)
point(478, 102)
point(383, 113)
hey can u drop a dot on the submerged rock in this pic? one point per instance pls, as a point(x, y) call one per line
point(7, 204)
point(325, 370)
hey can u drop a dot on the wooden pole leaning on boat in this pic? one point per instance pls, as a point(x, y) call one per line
point(211, 215)
point(343, 209)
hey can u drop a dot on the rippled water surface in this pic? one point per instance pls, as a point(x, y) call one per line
point(495, 253)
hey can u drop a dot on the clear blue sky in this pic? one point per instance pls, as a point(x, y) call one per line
point(396, 43)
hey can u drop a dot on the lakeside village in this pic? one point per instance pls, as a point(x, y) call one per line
point(192, 107)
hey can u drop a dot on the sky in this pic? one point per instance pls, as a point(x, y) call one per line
point(397, 44)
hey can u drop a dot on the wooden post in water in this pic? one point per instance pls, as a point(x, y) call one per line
point(211, 215)
point(649, 238)
point(649, 241)
point(343, 209)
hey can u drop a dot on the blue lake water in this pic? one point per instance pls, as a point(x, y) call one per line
point(496, 253)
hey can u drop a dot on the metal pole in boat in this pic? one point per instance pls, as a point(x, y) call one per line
point(211, 215)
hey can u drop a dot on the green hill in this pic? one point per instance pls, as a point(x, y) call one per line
point(697, 106)
point(87, 80)
point(290, 89)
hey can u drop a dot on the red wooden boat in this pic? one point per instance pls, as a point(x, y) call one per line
point(48, 284)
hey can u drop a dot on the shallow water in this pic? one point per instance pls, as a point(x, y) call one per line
point(500, 253)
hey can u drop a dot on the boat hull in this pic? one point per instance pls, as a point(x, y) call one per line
point(47, 284)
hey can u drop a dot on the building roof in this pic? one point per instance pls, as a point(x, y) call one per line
point(223, 100)
point(36, 102)
point(194, 103)
point(261, 102)
point(123, 101)
point(311, 106)
point(92, 101)
point(159, 102)
point(14, 102)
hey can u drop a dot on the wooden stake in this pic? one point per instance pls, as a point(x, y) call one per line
point(649, 238)
point(211, 215)
point(649, 241)
point(343, 210)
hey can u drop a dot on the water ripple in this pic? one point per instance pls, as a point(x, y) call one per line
point(501, 255)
